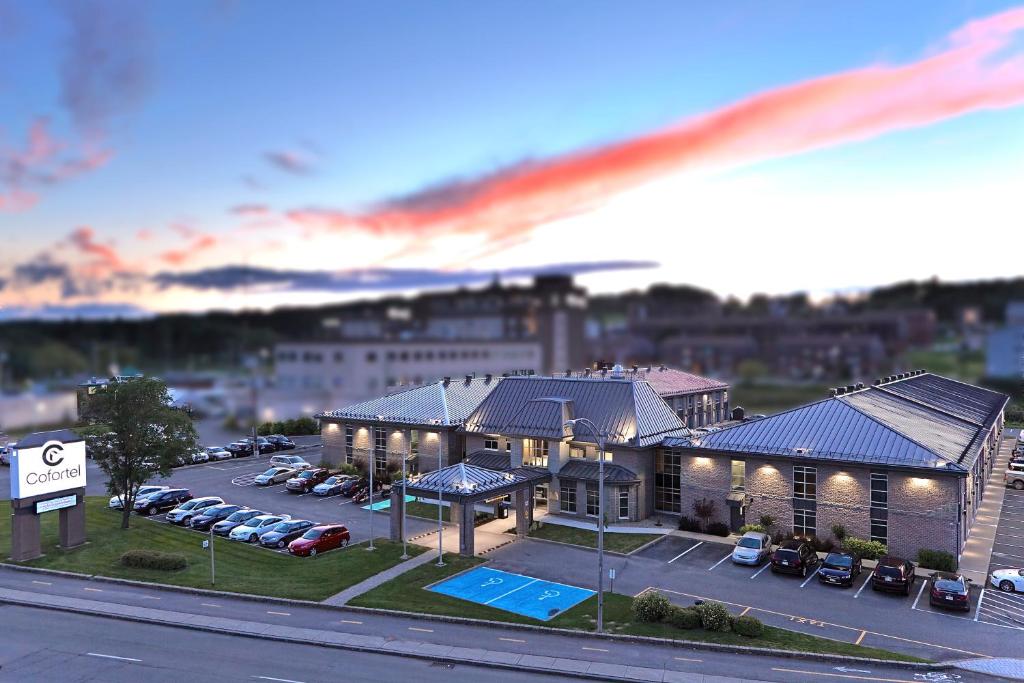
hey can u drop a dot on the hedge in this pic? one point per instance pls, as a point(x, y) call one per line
point(936, 559)
point(717, 529)
point(714, 616)
point(303, 426)
point(684, 617)
point(748, 626)
point(154, 559)
point(688, 524)
point(650, 607)
point(865, 550)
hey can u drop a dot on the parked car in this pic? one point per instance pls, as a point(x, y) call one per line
point(262, 444)
point(116, 502)
point(162, 501)
point(296, 462)
point(200, 456)
point(254, 528)
point(304, 481)
point(224, 526)
point(275, 475)
point(353, 486)
point(331, 486)
point(1008, 580)
point(213, 514)
point(218, 453)
point(6, 452)
point(893, 574)
point(239, 449)
point(319, 539)
point(794, 557)
point(284, 533)
point(1014, 476)
point(950, 591)
point(752, 548)
point(282, 442)
point(839, 569)
point(184, 513)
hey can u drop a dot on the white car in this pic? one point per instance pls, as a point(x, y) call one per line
point(200, 456)
point(184, 513)
point(257, 526)
point(752, 548)
point(296, 462)
point(218, 453)
point(116, 503)
point(1014, 476)
point(275, 475)
point(1008, 580)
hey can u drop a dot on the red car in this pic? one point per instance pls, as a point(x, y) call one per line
point(320, 539)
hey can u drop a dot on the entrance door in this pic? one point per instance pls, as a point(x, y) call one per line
point(540, 496)
point(737, 515)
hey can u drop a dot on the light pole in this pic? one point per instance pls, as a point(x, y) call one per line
point(373, 466)
point(440, 508)
point(600, 436)
point(405, 555)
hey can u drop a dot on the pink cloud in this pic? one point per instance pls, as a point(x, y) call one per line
point(199, 243)
point(106, 257)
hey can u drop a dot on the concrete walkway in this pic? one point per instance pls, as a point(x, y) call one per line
point(340, 599)
point(977, 554)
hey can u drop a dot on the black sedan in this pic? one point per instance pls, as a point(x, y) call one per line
point(950, 591)
point(794, 557)
point(162, 501)
point(839, 569)
point(285, 532)
point(212, 515)
point(353, 486)
point(239, 449)
point(283, 443)
point(237, 518)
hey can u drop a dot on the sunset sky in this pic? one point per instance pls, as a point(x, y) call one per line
point(188, 155)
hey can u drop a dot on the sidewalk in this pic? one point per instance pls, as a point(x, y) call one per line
point(340, 599)
point(562, 666)
point(977, 554)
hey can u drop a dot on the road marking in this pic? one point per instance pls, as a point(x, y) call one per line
point(93, 590)
point(279, 680)
point(692, 547)
point(280, 614)
point(213, 467)
point(208, 604)
point(866, 582)
point(512, 640)
point(149, 597)
point(421, 630)
point(860, 638)
point(860, 678)
point(42, 583)
point(351, 621)
point(687, 659)
point(123, 659)
point(920, 592)
point(720, 561)
point(758, 572)
point(813, 574)
point(744, 612)
point(518, 588)
point(594, 649)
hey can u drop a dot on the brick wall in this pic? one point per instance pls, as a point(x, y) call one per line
point(705, 477)
point(922, 514)
point(332, 436)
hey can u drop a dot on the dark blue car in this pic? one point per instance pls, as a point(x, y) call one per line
point(839, 569)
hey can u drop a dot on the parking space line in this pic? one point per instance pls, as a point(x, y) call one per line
point(688, 659)
point(977, 610)
point(123, 659)
point(594, 649)
point(920, 592)
point(720, 561)
point(512, 640)
point(42, 583)
point(512, 591)
point(351, 621)
point(860, 638)
point(866, 582)
point(209, 604)
point(694, 547)
point(93, 590)
point(813, 574)
point(744, 612)
point(758, 572)
point(421, 630)
point(280, 614)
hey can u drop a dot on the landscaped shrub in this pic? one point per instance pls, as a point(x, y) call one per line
point(684, 617)
point(780, 535)
point(650, 606)
point(717, 529)
point(751, 527)
point(839, 532)
point(688, 524)
point(936, 559)
point(713, 616)
point(154, 559)
point(865, 550)
point(303, 426)
point(349, 469)
point(822, 545)
point(704, 510)
point(767, 521)
point(748, 626)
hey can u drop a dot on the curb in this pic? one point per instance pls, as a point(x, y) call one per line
point(690, 644)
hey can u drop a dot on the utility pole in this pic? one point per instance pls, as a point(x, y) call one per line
point(601, 437)
point(440, 510)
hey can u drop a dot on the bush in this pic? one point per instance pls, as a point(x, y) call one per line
point(714, 616)
point(936, 559)
point(303, 426)
point(688, 524)
point(349, 469)
point(717, 529)
point(865, 550)
point(748, 626)
point(154, 559)
point(704, 510)
point(822, 545)
point(751, 527)
point(650, 607)
point(780, 535)
point(767, 521)
point(839, 532)
point(684, 617)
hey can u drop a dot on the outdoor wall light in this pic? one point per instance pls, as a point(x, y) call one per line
point(702, 461)
point(920, 482)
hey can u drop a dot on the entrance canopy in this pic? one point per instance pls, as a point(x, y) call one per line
point(467, 484)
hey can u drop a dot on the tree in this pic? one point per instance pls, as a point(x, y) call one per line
point(750, 371)
point(705, 510)
point(136, 434)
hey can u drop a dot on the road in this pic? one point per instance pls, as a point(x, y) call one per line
point(580, 647)
point(42, 645)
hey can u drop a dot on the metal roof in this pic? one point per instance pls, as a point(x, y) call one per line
point(438, 403)
point(664, 380)
point(630, 412)
point(464, 481)
point(588, 469)
point(491, 460)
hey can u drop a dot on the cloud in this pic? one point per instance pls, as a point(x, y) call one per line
point(105, 256)
point(290, 161)
point(251, 210)
point(198, 243)
point(979, 67)
point(227, 278)
point(39, 271)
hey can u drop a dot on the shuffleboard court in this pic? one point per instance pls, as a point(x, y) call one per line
point(515, 593)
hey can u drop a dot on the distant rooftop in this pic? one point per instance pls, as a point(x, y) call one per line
point(447, 403)
point(664, 380)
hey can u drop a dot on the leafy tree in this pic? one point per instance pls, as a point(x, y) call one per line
point(705, 510)
point(136, 434)
point(750, 371)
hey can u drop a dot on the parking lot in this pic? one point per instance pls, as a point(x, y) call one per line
point(997, 607)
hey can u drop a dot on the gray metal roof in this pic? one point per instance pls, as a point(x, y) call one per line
point(491, 460)
point(631, 412)
point(438, 403)
point(464, 481)
point(588, 469)
point(900, 423)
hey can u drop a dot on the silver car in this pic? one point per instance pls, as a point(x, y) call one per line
point(753, 548)
point(257, 526)
point(115, 501)
point(184, 513)
point(296, 462)
point(275, 475)
point(218, 453)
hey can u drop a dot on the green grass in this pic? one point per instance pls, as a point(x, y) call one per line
point(241, 568)
point(426, 511)
point(616, 543)
point(407, 594)
point(967, 366)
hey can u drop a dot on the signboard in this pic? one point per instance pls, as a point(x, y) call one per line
point(56, 504)
point(53, 466)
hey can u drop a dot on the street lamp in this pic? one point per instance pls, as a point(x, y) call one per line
point(373, 466)
point(600, 436)
point(405, 555)
point(440, 508)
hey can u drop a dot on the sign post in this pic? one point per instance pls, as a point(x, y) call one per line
point(213, 566)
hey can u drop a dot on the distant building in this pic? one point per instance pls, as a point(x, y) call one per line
point(1004, 348)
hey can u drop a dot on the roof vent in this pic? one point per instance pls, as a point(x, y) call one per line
point(586, 372)
point(568, 372)
point(831, 392)
point(618, 372)
point(469, 378)
point(860, 385)
point(877, 382)
point(840, 391)
point(850, 388)
point(446, 381)
point(487, 378)
point(661, 368)
point(604, 371)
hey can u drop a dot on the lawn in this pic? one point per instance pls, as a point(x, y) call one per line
point(241, 568)
point(426, 511)
point(407, 594)
point(614, 542)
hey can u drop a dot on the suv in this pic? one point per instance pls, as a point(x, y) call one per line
point(262, 444)
point(162, 501)
point(183, 514)
point(306, 480)
point(893, 574)
point(1014, 476)
point(753, 548)
point(794, 557)
point(239, 449)
point(211, 515)
point(283, 443)
point(295, 462)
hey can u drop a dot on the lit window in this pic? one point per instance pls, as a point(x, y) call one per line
point(805, 482)
point(739, 475)
point(535, 453)
point(805, 522)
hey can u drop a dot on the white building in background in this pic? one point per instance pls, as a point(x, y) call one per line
point(21, 411)
point(1004, 348)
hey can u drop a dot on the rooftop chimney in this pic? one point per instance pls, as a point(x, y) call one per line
point(860, 385)
point(831, 392)
point(487, 378)
point(840, 391)
point(850, 388)
point(618, 372)
point(446, 381)
point(469, 378)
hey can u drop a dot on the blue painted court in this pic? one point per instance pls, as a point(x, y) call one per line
point(513, 592)
point(386, 503)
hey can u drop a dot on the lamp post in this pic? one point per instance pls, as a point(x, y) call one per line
point(373, 466)
point(405, 555)
point(600, 436)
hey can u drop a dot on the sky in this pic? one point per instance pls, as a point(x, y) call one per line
point(193, 155)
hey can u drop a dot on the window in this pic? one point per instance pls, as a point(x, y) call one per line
point(535, 453)
point(667, 468)
point(490, 443)
point(380, 439)
point(349, 441)
point(568, 497)
point(880, 490)
point(380, 464)
point(577, 452)
point(371, 357)
point(805, 522)
point(592, 500)
point(540, 496)
point(739, 475)
point(880, 531)
point(623, 502)
point(805, 482)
